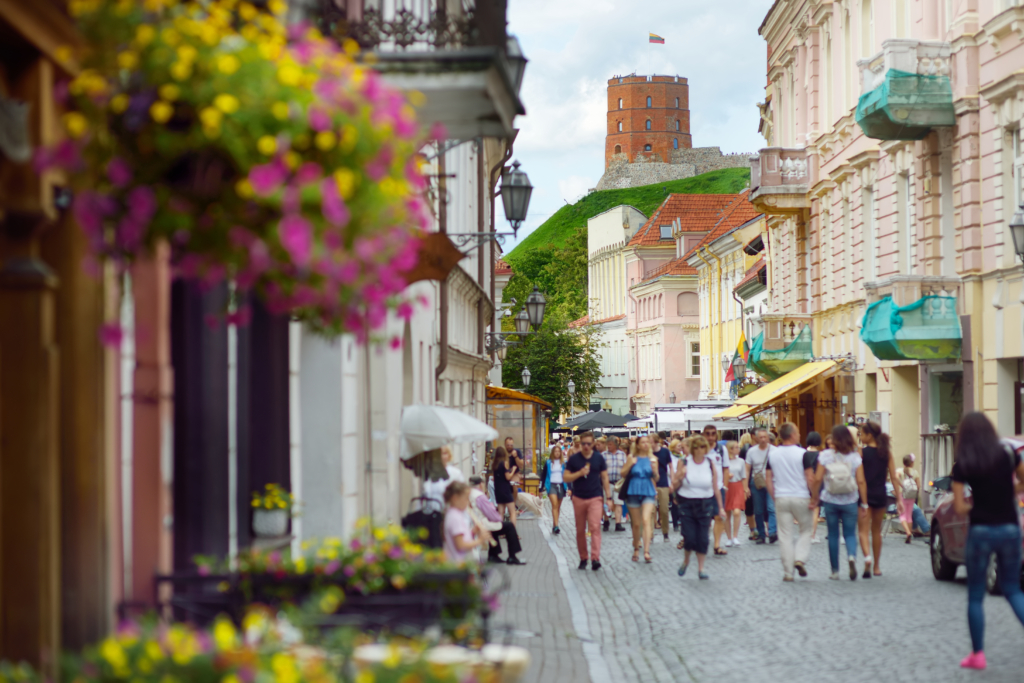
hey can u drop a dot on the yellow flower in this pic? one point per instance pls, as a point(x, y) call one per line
point(181, 71)
point(144, 664)
point(351, 47)
point(280, 110)
point(224, 634)
point(161, 111)
point(211, 118)
point(209, 34)
point(78, 8)
point(144, 35)
point(75, 124)
point(187, 53)
point(393, 658)
point(123, 7)
point(349, 137)
point(365, 676)
point(247, 11)
point(112, 651)
point(292, 160)
point(416, 98)
point(267, 145)
point(325, 140)
point(346, 182)
point(250, 33)
point(300, 565)
point(64, 54)
point(226, 103)
point(153, 651)
point(271, 50)
point(289, 74)
point(228, 64)
point(278, 7)
point(119, 103)
point(170, 36)
point(127, 60)
point(169, 92)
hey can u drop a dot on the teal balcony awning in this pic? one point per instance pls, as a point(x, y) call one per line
point(928, 329)
point(906, 106)
point(775, 364)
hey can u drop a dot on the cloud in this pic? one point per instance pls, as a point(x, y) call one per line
point(575, 46)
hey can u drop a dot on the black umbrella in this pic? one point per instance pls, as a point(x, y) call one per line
point(589, 421)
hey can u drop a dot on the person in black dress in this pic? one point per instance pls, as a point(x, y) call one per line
point(876, 453)
point(504, 472)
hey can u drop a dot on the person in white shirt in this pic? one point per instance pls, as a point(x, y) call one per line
point(791, 483)
point(764, 505)
point(736, 494)
point(696, 482)
point(720, 459)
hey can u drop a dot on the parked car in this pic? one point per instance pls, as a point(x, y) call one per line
point(949, 531)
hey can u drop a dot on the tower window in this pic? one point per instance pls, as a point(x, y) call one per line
point(618, 149)
point(648, 124)
point(647, 148)
point(677, 103)
point(620, 126)
point(620, 102)
point(648, 102)
point(675, 143)
point(677, 124)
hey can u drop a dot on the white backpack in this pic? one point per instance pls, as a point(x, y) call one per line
point(839, 476)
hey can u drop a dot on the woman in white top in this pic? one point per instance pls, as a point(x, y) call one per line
point(554, 484)
point(696, 482)
point(736, 495)
point(840, 496)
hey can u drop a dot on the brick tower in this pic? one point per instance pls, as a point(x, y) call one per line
point(648, 117)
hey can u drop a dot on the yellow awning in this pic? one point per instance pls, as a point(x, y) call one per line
point(770, 393)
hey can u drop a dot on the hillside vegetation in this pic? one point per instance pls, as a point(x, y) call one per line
point(554, 256)
point(556, 230)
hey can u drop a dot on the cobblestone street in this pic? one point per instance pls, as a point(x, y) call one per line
point(643, 623)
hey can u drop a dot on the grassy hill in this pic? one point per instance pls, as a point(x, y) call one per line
point(556, 230)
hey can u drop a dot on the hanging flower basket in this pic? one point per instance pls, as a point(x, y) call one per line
point(269, 523)
point(263, 154)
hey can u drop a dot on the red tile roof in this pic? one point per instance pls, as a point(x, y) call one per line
point(585, 320)
point(674, 267)
point(502, 268)
point(696, 213)
point(751, 273)
point(738, 212)
point(580, 322)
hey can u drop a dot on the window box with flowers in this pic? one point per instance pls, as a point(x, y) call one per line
point(271, 510)
point(262, 154)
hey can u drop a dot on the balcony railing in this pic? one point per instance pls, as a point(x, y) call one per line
point(783, 346)
point(779, 179)
point(905, 90)
point(906, 289)
point(782, 329)
point(913, 317)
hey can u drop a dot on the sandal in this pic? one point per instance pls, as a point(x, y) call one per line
point(719, 551)
point(647, 558)
point(867, 568)
point(636, 554)
point(679, 546)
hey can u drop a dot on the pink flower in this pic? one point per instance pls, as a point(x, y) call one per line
point(119, 172)
point(259, 256)
point(266, 178)
point(349, 571)
point(308, 173)
point(356, 544)
point(130, 233)
point(376, 171)
point(395, 553)
point(111, 335)
point(319, 120)
point(332, 567)
point(203, 570)
point(332, 205)
point(291, 202)
point(405, 310)
point(241, 317)
point(438, 132)
point(240, 237)
point(395, 344)
point(141, 204)
point(296, 234)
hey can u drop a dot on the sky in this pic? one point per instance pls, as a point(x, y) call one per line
point(575, 46)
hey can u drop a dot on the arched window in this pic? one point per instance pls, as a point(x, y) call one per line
point(647, 148)
point(620, 126)
point(677, 124)
point(618, 149)
point(675, 143)
point(648, 102)
point(687, 304)
point(677, 103)
point(648, 124)
point(620, 102)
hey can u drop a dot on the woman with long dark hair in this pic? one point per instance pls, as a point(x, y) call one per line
point(504, 492)
point(844, 485)
point(878, 463)
point(988, 467)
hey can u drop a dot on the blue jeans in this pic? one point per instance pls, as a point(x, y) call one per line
point(982, 541)
point(764, 507)
point(920, 521)
point(847, 514)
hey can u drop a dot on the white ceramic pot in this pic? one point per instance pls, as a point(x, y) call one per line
point(269, 523)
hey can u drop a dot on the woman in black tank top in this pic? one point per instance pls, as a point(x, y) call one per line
point(878, 462)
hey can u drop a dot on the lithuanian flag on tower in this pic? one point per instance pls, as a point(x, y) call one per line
point(654, 38)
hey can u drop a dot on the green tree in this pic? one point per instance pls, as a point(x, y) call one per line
point(559, 272)
point(556, 354)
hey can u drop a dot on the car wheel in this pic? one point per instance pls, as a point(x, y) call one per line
point(942, 569)
point(992, 576)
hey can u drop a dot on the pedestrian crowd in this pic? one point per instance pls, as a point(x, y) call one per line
point(703, 488)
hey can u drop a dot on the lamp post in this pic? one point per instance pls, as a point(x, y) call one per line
point(672, 397)
point(515, 195)
point(1017, 231)
point(572, 399)
point(522, 322)
point(526, 376)
point(535, 304)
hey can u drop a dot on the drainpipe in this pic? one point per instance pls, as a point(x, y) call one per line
point(442, 227)
point(700, 255)
point(636, 326)
point(743, 318)
point(480, 249)
point(721, 312)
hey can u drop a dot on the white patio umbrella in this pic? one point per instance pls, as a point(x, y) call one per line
point(427, 427)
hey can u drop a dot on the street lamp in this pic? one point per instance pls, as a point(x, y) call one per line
point(672, 397)
point(501, 350)
point(725, 363)
point(515, 196)
point(535, 304)
point(1017, 231)
point(572, 399)
point(522, 322)
point(516, 61)
point(740, 367)
point(526, 376)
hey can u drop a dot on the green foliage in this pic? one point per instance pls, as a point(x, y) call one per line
point(555, 355)
point(561, 273)
point(556, 230)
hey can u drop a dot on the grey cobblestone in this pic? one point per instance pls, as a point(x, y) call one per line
point(745, 625)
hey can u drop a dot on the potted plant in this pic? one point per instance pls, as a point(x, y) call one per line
point(271, 510)
point(263, 154)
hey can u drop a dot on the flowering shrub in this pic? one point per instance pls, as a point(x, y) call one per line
point(263, 154)
point(273, 497)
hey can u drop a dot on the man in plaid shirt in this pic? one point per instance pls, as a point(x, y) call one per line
point(616, 460)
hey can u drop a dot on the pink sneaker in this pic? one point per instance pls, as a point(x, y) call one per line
point(975, 660)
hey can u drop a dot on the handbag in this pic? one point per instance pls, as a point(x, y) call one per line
point(839, 476)
point(761, 481)
point(909, 487)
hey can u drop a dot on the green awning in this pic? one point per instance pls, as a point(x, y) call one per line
point(775, 364)
point(928, 329)
point(906, 106)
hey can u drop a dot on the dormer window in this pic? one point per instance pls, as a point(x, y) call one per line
point(666, 232)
